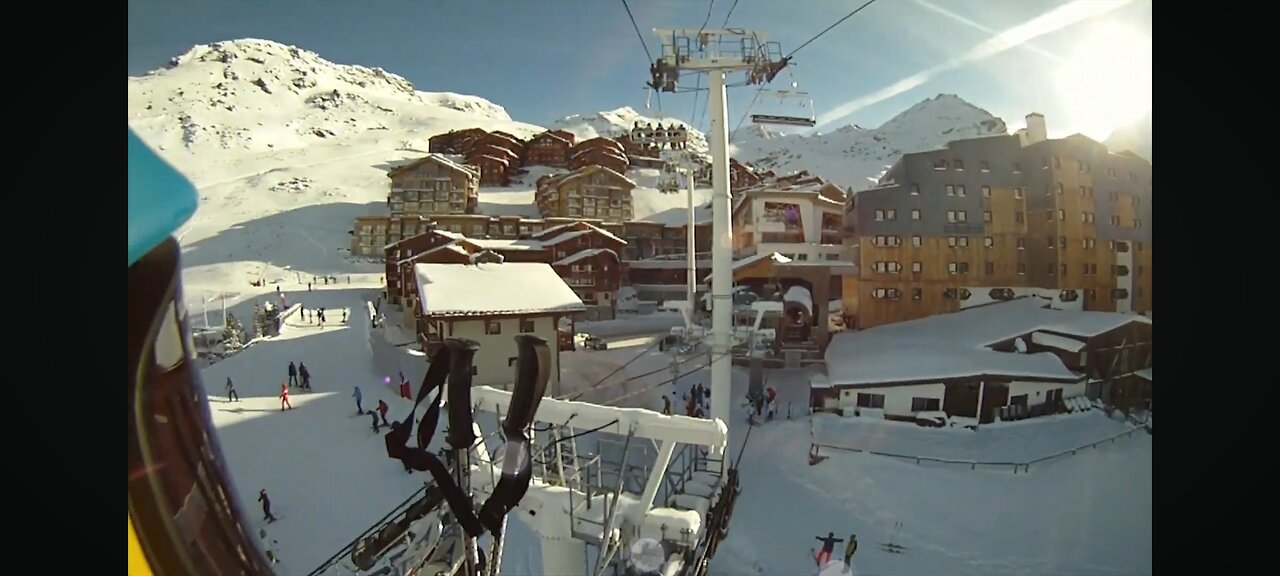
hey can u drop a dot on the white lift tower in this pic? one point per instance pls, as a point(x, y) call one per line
point(717, 53)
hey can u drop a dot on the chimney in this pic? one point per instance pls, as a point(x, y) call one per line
point(1036, 131)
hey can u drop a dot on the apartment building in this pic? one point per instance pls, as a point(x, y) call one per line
point(590, 192)
point(989, 219)
point(801, 220)
point(433, 184)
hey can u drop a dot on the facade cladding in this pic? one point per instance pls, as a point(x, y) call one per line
point(997, 214)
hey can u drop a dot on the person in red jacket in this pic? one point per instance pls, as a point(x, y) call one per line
point(382, 411)
point(284, 396)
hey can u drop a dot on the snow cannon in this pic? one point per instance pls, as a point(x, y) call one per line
point(167, 400)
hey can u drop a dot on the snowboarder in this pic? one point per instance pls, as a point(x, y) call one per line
point(284, 397)
point(850, 548)
point(828, 544)
point(306, 376)
point(374, 415)
point(359, 398)
point(382, 410)
point(266, 506)
point(293, 374)
point(232, 396)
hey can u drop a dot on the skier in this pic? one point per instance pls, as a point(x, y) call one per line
point(382, 410)
point(358, 397)
point(666, 405)
point(828, 544)
point(232, 396)
point(306, 376)
point(374, 415)
point(266, 506)
point(771, 408)
point(850, 548)
point(284, 397)
point(293, 374)
point(344, 314)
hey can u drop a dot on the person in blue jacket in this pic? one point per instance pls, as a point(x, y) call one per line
point(358, 397)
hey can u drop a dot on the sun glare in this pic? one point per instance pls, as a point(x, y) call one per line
point(1107, 81)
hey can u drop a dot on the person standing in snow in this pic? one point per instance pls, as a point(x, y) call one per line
point(666, 405)
point(374, 415)
point(284, 397)
point(266, 506)
point(344, 315)
point(306, 376)
point(828, 545)
point(382, 411)
point(293, 374)
point(850, 548)
point(359, 397)
point(232, 396)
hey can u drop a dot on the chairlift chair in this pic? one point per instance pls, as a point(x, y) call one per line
point(804, 102)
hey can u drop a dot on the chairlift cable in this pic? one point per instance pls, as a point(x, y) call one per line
point(639, 35)
point(828, 28)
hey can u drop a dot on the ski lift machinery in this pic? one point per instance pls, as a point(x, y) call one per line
point(786, 113)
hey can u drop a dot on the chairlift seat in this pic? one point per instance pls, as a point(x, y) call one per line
point(782, 120)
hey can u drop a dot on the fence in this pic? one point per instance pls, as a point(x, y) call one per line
point(974, 464)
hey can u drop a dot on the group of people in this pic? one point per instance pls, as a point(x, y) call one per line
point(377, 413)
point(829, 546)
point(697, 403)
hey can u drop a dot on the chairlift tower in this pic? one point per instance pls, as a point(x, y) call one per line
point(718, 53)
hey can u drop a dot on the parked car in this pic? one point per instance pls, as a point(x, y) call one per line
point(595, 343)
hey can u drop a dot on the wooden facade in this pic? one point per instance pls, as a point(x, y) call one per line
point(371, 234)
point(455, 141)
point(590, 192)
point(549, 149)
point(433, 185)
point(1061, 216)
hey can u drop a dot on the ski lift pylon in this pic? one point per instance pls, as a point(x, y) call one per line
point(803, 101)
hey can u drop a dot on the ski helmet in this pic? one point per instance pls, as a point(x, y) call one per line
point(173, 451)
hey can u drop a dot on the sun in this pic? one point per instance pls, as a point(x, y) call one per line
point(1107, 81)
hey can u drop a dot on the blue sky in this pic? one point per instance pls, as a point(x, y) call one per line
point(1085, 64)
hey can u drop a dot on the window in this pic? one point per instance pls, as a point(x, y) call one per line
point(879, 215)
point(1115, 220)
point(1049, 241)
point(960, 165)
point(1051, 269)
point(874, 401)
point(1062, 215)
point(885, 293)
point(951, 215)
point(915, 213)
point(1088, 243)
point(1086, 217)
point(1019, 193)
point(1062, 242)
point(988, 242)
point(1019, 217)
point(917, 266)
point(526, 325)
point(1017, 168)
point(884, 267)
point(1086, 268)
point(958, 267)
point(1119, 294)
point(917, 294)
point(925, 404)
point(1059, 187)
point(891, 214)
point(989, 268)
point(939, 164)
point(1137, 223)
point(986, 190)
point(492, 327)
point(986, 216)
point(917, 241)
point(984, 166)
point(962, 216)
point(960, 190)
point(1022, 268)
point(915, 189)
point(963, 241)
point(886, 240)
point(951, 241)
point(951, 190)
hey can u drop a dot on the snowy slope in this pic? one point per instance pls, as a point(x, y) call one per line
point(856, 156)
point(1135, 138)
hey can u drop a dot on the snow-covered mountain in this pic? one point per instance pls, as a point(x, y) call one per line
point(856, 156)
point(618, 122)
point(1135, 138)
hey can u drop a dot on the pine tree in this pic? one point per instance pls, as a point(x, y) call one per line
point(232, 333)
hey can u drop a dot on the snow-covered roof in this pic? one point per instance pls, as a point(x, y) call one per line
point(486, 289)
point(450, 247)
point(570, 259)
point(1054, 341)
point(505, 244)
point(955, 345)
point(749, 260)
point(437, 158)
point(561, 237)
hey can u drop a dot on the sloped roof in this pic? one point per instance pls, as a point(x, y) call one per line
point(486, 289)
